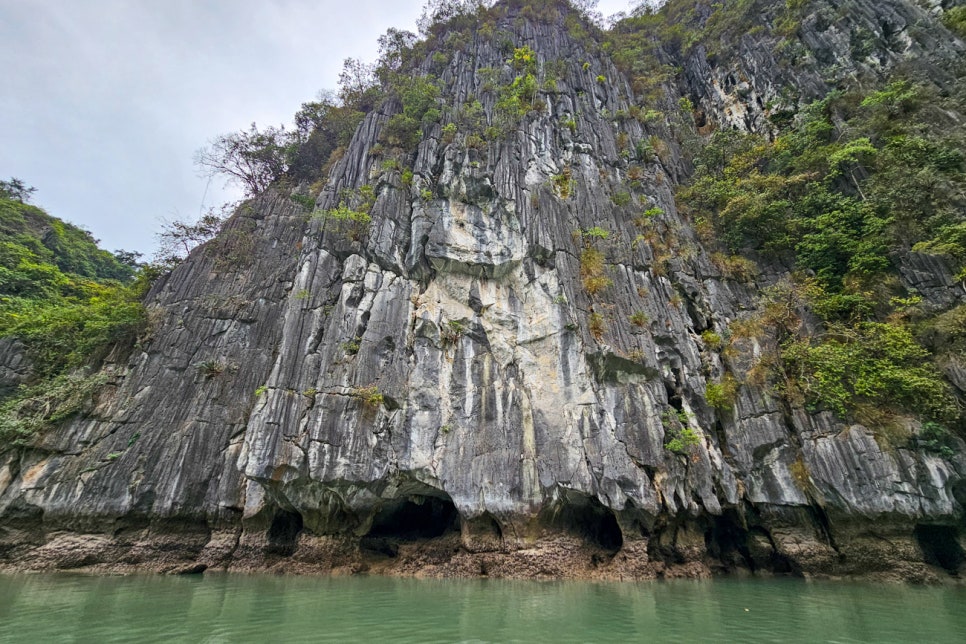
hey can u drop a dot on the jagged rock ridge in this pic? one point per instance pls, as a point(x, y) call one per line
point(444, 396)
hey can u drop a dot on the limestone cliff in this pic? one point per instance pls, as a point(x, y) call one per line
point(448, 391)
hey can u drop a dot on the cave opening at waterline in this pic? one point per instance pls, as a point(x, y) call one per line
point(940, 546)
point(589, 519)
point(283, 532)
point(414, 518)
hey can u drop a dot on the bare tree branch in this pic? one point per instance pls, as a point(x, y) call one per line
point(253, 158)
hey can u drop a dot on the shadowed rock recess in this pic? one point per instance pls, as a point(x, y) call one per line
point(458, 390)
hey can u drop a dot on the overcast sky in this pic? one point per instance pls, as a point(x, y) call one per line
point(104, 102)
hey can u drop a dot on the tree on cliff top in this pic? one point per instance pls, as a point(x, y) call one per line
point(16, 189)
point(178, 238)
point(253, 158)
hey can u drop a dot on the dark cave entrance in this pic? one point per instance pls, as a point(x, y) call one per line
point(734, 539)
point(487, 525)
point(673, 397)
point(940, 546)
point(414, 518)
point(593, 521)
point(727, 541)
point(283, 533)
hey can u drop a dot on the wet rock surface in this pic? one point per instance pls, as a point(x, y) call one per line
point(443, 396)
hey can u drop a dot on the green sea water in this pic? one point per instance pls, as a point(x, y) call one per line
point(234, 608)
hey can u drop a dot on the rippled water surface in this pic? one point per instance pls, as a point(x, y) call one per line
point(227, 608)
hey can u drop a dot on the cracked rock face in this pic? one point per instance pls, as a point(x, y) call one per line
point(837, 44)
point(445, 395)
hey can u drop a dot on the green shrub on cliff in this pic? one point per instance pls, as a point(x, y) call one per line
point(351, 217)
point(420, 101)
point(854, 182)
point(955, 20)
point(722, 395)
point(871, 363)
point(679, 436)
point(860, 176)
point(354, 224)
point(45, 404)
point(69, 303)
point(64, 333)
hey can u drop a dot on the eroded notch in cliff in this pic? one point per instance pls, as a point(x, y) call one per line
point(410, 519)
point(283, 533)
point(589, 519)
point(940, 546)
point(674, 394)
point(727, 541)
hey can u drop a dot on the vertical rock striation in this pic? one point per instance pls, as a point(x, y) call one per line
point(445, 394)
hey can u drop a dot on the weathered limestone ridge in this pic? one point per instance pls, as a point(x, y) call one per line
point(441, 396)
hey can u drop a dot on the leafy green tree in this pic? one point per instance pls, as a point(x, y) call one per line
point(420, 101)
point(871, 363)
point(395, 47)
point(131, 259)
point(322, 128)
point(359, 85)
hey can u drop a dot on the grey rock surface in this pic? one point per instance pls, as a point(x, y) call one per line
point(833, 45)
point(444, 397)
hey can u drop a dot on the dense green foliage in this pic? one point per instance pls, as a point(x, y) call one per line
point(61, 333)
point(31, 238)
point(419, 96)
point(874, 365)
point(68, 302)
point(855, 181)
point(40, 406)
point(955, 20)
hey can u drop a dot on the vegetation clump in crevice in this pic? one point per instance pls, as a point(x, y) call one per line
point(34, 409)
point(518, 98)
point(593, 265)
point(420, 110)
point(679, 436)
point(351, 218)
point(370, 397)
point(722, 394)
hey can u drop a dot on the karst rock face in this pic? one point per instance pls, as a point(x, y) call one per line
point(441, 393)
